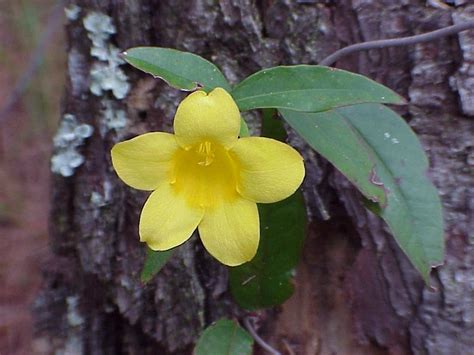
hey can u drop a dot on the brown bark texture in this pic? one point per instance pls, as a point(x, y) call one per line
point(356, 293)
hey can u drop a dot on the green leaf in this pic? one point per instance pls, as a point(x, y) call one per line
point(154, 261)
point(309, 88)
point(244, 129)
point(181, 70)
point(413, 208)
point(265, 281)
point(272, 126)
point(225, 337)
point(334, 137)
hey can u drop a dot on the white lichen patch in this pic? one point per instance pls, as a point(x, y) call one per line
point(105, 74)
point(74, 318)
point(72, 12)
point(75, 321)
point(102, 199)
point(97, 199)
point(69, 137)
point(111, 118)
point(99, 27)
point(104, 77)
point(73, 346)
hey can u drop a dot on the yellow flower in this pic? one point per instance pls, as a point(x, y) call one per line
point(205, 177)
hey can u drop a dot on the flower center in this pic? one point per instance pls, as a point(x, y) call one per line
point(205, 174)
point(206, 152)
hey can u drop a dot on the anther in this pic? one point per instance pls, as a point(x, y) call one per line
point(205, 150)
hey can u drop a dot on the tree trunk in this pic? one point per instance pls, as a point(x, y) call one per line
point(356, 293)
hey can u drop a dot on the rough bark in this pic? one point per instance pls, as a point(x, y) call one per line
point(356, 292)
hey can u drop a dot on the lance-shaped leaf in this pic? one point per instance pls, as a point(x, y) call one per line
point(265, 281)
point(309, 88)
point(225, 337)
point(182, 70)
point(336, 139)
point(154, 261)
point(412, 209)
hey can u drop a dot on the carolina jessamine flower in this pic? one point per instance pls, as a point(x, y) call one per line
point(205, 177)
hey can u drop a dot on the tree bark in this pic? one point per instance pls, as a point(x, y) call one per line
point(355, 291)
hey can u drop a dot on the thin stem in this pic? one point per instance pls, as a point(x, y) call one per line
point(259, 340)
point(53, 23)
point(395, 42)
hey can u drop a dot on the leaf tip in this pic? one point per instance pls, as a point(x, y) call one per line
point(123, 55)
point(143, 280)
point(402, 101)
point(426, 274)
point(399, 100)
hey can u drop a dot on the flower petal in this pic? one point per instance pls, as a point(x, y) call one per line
point(144, 161)
point(269, 170)
point(214, 117)
point(231, 232)
point(167, 220)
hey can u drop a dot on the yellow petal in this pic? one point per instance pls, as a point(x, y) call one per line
point(210, 117)
point(167, 220)
point(269, 170)
point(144, 161)
point(231, 232)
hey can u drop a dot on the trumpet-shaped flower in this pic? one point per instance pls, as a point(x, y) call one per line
point(206, 177)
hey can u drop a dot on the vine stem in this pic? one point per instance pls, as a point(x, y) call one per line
point(396, 42)
point(53, 24)
point(258, 339)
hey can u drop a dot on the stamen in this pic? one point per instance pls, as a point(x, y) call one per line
point(206, 153)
